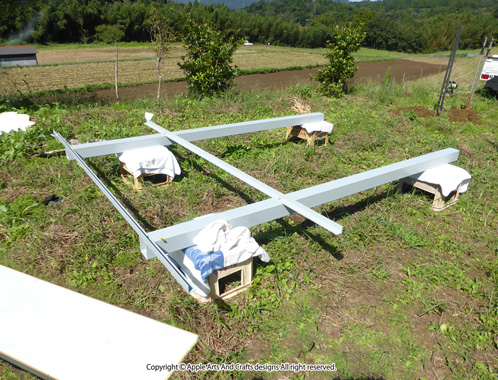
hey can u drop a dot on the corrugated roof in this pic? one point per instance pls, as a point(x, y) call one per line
point(17, 50)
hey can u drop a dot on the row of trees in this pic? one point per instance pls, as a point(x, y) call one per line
point(421, 26)
point(209, 57)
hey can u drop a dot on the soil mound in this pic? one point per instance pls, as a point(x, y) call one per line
point(456, 114)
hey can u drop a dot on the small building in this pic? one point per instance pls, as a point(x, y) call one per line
point(18, 55)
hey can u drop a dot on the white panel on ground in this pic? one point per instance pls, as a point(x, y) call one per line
point(57, 333)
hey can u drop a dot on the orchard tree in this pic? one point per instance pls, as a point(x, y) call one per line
point(339, 52)
point(161, 36)
point(110, 34)
point(208, 59)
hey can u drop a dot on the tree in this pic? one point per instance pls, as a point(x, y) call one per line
point(208, 59)
point(109, 34)
point(161, 36)
point(339, 52)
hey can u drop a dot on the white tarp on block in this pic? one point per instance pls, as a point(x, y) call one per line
point(319, 126)
point(60, 334)
point(150, 160)
point(12, 121)
point(449, 177)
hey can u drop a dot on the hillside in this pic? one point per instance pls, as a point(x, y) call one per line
point(231, 4)
point(408, 26)
point(234, 4)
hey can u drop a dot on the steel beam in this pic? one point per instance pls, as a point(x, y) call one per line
point(181, 235)
point(257, 184)
point(103, 148)
point(145, 241)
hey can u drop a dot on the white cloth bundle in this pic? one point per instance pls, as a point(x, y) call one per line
point(150, 160)
point(447, 176)
point(12, 121)
point(236, 244)
point(319, 126)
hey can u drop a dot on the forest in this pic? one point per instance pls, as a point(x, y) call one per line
point(410, 26)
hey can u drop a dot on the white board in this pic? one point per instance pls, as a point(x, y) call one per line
point(57, 333)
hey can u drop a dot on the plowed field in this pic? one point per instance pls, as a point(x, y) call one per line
point(400, 69)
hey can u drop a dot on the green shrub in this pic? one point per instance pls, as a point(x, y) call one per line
point(207, 64)
point(340, 54)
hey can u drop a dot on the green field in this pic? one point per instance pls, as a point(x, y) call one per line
point(402, 293)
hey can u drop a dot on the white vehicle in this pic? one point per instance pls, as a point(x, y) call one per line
point(489, 72)
point(247, 43)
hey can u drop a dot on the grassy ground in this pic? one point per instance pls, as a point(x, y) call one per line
point(403, 293)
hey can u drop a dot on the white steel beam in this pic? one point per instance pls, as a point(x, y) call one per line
point(103, 148)
point(180, 236)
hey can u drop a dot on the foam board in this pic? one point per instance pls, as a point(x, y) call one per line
point(56, 333)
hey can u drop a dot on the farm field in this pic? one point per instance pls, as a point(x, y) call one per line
point(66, 72)
point(62, 54)
point(400, 69)
point(76, 68)
point(402, 293)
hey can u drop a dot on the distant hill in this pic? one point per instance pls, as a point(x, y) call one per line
point(231, 4)
point(237, 4)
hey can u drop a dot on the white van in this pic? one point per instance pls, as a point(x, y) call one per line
point(489, 72)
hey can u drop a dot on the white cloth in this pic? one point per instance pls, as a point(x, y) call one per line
point(12, 121)
point(319, 126)
point(236, 244)
point(449, 177)
point(150, 160)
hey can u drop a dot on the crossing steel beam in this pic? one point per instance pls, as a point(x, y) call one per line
point(257, 184)
point(171, 239)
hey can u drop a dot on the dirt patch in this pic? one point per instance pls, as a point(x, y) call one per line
point(417, 111)
point(401, 70)
point(462, 115)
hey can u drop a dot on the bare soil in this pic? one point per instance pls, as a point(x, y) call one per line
point(401, 69)
point(417, 110)
point(463, 115)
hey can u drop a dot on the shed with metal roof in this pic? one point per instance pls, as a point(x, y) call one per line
point(18, 55)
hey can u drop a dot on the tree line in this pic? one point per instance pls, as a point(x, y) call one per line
point(398, 25)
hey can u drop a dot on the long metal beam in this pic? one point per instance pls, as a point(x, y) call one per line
point(257, 184)
point(180, 236)
point(145, 241)
point(103, 148)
